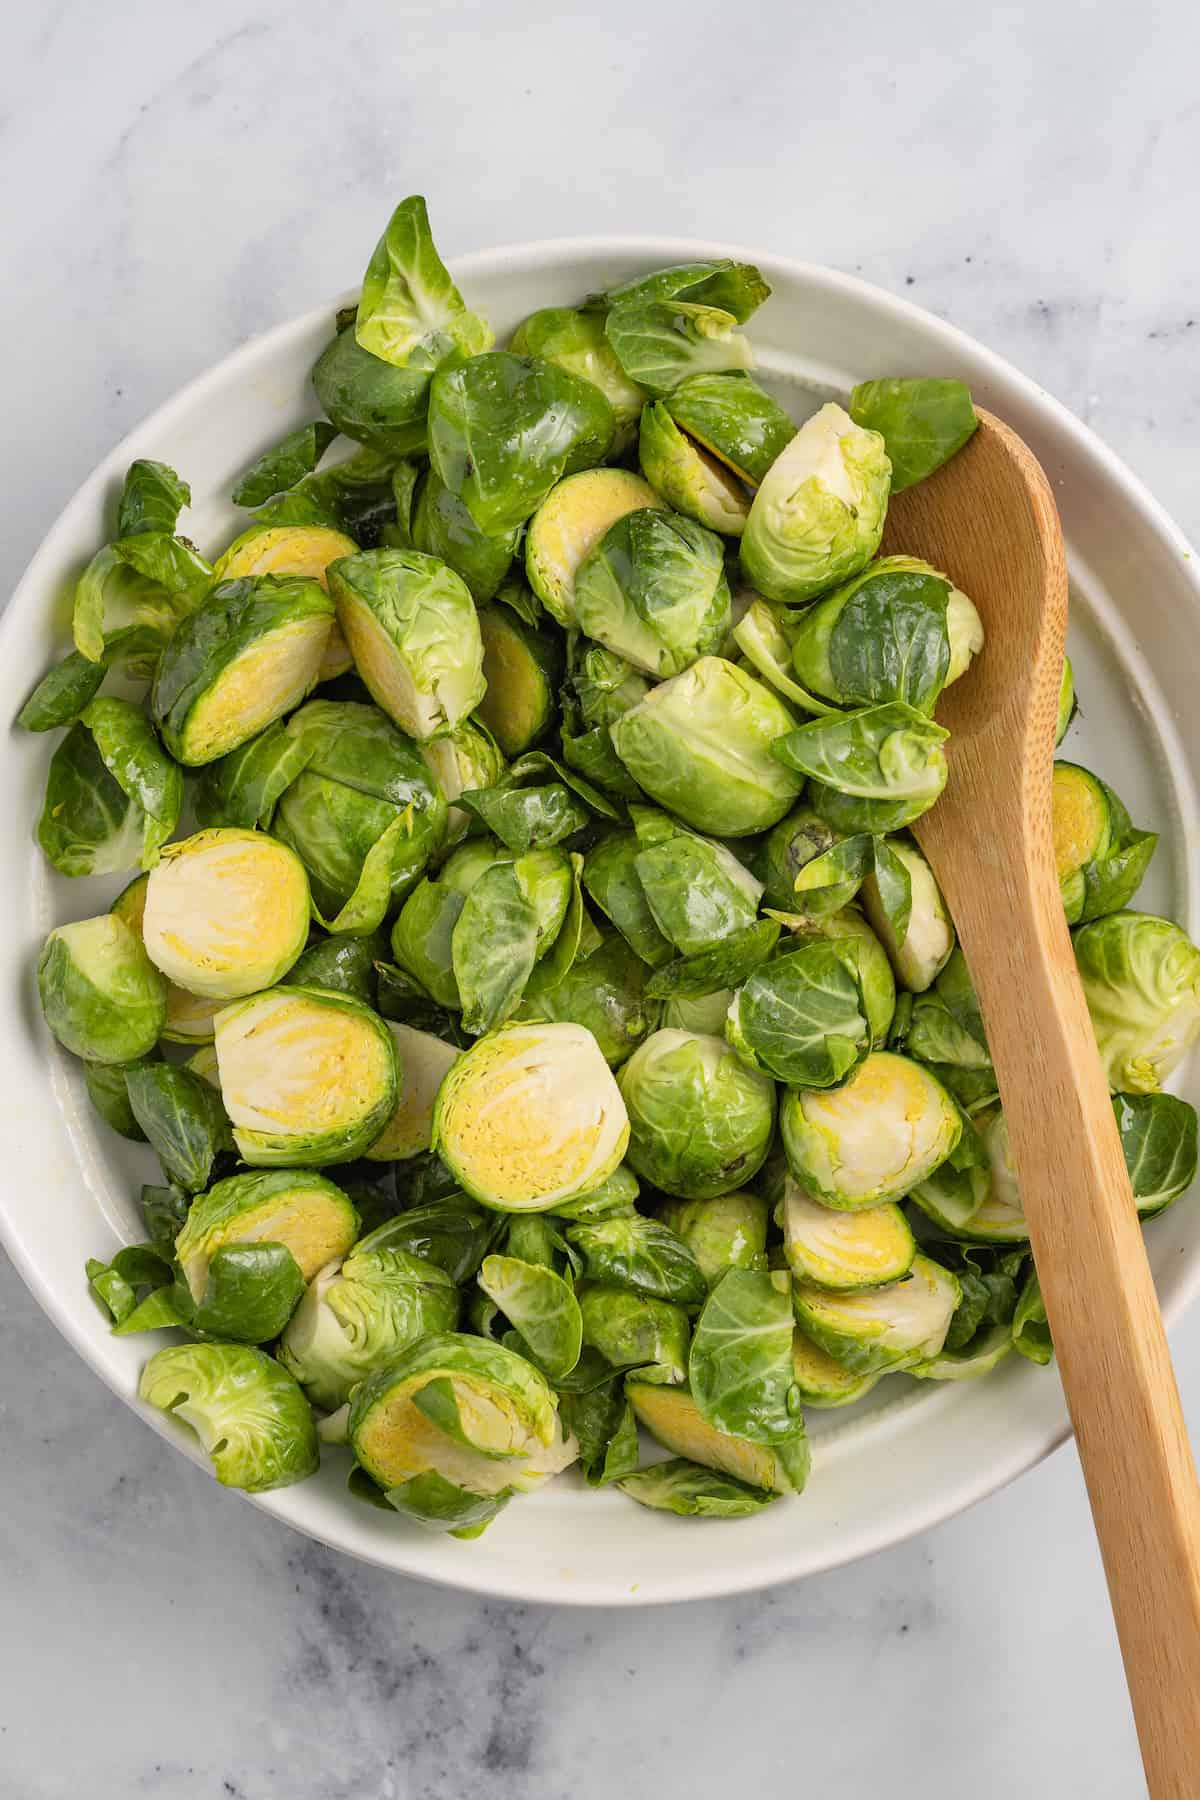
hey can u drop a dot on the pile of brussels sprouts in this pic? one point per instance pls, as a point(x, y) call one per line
point(549, 1029)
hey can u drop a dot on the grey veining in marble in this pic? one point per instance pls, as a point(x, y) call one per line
point(178, 177)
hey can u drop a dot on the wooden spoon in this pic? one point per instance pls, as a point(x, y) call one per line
point(989, 521)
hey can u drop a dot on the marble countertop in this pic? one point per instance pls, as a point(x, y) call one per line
point(178, 178)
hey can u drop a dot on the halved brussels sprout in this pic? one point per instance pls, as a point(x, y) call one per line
point(700, 1122)
point(687, 477)
point(522, 667)
point(468, 1410)
point(919, 952)
point(227, 913)
point(701, 745)
point(653, 590)
point(101, 995)
point(414, 633)
point(304, 550)
point(189, 1016)
point(370, 400)
point(873, 1139)
point(569, 523)
point(1141, 981)
point(693, 1492)
point(818, 516)
point(364, 815)
point(821, 1380)
point(924, 421)
point(604, 991)
point(875, 770)
point(113, 795)
point(357, 1314)
point(632, 1330)
point(575, 340)
point(726, 1232)
point(308, 1076)
point(882, 1328)
point(248, 654)
point(503, 429)
point(1099, 856)
point(671, 1415)
point(531, 1116)
point(247, 1412)
point(842, 1251)
point(734, 419)
point(874, 969)
point(311, 1217)
point(467, 758)
point(423, 1061)
point(801, 1018)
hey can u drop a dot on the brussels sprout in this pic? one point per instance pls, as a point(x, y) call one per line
point(423, 1061)
point(101, 995)
point(740, 1363)
point(248, 654)
point(727, 1232)
point(653, 590)
point(874, 970)
point(605, 685)
point(693, 1492)
point(308, 1076)
point(543, 1308)
point(700, 1121)
point(701, 745)
point(687, 477)
point(113, 796)
point(1141, 980)
point(363, 816)
point(633, 1330)
point(302, 550)
point(842, 1251)
point(410, 313)
point(311, 1217)
point(227, 913)
point(614, 1196)
point(610, 875)
point(801, 1017)
point(642, 1254)
point(672, 1416)
point(345, 963)
point(1068, 706)
point(1158, 1136)
point(414, 633)
point(531, 1116)
point(923, 422)
point(874, 770)
point(659, 343)
point(467, 1410)
point(818, 515)
point(62, 693)
point(979, 1357)
point(697, 891)
point(360, 1313)
point(570, 522)
point(503, 429)
point(875, 1138)
point(821, 1380)
point(724, 966)
point(575, 341)
point(182, 1118)
point(1030, 1330)
point(886, 635)
point(604, 991)
point(464, 759)
point(512, 915)
point(1100, 858)
point(882, 1328)
point(796, 841)
point(247, 1412)
point(919, 952)
point(735, 420)
point(737, 288)
point(522, 667)
point(702, 1013)
point(370, 400)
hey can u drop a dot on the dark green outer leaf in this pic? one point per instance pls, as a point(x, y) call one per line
point(62, 693)
point(285, 463)
point(891, 641)
point(894, 885)
point(642, 1254)
point(454, 1233)
point(736, 288)
point(183, 1118)
point(802, 1016)
point(82, 828)
point(603, 1421)
point(244, 787)
point(133, 755)
point(694, 901)
point(923, 422)
point(611, 879)
point(528, 818)
point(726, 965)
point(164, 1213)
point(494, 948)
point(370, 400)
point(151, 499)
point(1158, 1136)
point(740, 1367)
point(106, 1090)
point(252, 1292)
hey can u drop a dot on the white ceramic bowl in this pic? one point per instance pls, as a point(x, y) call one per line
point(913, 1453)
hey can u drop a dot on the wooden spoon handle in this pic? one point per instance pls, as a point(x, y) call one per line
point(1103, 1314)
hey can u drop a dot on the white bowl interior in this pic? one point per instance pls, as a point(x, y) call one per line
point(912, 1453)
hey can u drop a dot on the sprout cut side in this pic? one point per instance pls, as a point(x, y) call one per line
point(227, 913)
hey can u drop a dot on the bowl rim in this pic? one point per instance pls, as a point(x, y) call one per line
point(725, 1576)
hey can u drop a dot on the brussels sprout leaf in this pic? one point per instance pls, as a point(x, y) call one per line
point(285, 463)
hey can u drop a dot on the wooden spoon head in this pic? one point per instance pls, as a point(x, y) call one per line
point(987, 519)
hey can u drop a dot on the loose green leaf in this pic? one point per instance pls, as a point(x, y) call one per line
point(62, 694)
point(740, 1366)
point(541, 1306)
point(183, 1118)
point(923, 422)
point(152, 499)
point(285, 463)
point(693, 1492)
